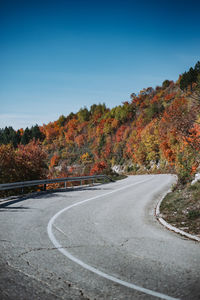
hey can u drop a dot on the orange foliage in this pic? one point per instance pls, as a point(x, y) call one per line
point(167, 151)
point(54, 160)
point(51, 131)
point(194, 137)
point(25, 163)
point(154, 99)
point(21, 130)
point(120, 133)
point(169, 97)
point(98, 168)
point(79, 140)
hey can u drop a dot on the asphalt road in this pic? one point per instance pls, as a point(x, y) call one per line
point(100, 242)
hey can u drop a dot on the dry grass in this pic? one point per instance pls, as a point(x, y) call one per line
point(181, 208)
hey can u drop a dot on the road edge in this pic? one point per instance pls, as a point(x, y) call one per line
point(169, 226)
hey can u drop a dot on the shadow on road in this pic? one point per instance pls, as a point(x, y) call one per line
point(46, 194)
point(13, 208)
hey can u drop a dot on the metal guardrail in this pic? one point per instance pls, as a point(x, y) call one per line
point(23, 184)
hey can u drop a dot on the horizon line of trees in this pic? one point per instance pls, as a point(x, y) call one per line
point(10, 136)
point(190, 77)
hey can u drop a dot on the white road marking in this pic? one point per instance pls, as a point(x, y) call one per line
point(88, 267)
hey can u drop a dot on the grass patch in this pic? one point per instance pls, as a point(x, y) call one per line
point(117, 176)
point(113, 176)
point(181, 208)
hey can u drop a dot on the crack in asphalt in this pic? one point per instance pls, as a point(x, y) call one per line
point(32, 277)
point(45, 283)
point(50, 248)
point(5, 241)
point(124, 242)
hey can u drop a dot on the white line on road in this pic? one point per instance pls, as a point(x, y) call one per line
point(88, 267)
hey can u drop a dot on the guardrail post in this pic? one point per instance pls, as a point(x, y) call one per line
point(45, 187)
point(24, 184)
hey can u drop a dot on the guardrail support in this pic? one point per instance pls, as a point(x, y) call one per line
point(45, 187)
point(24, 184)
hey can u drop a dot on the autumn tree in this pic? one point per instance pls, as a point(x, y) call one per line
point(28, 162)
point(31, 161)
point(150, 140)
point(98, 168)
point(165, 84)
point(61, 121)
point(83, 114)
point(188, 78)
point(8, 168)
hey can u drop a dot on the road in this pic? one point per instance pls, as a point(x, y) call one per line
point(99, 242)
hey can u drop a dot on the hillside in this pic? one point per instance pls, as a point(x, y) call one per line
point(157, 131)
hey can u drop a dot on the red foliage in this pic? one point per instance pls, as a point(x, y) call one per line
point(98, 168)
point(54, 160)
point(169, 96)
point(51, 131)
point(79, 140)
point(194, 137)
point(30, 161)
point(25, 163)
point(168, 152)
point(154, 99)
point(120, 133)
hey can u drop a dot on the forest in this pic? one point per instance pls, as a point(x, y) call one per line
point(155, 131)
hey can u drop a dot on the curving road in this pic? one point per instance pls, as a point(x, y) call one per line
point(100, 242)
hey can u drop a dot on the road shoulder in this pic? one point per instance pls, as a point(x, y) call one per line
point(161, 218)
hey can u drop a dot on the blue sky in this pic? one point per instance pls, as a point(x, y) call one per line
point(58, 56)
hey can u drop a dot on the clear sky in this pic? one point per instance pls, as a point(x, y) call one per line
point(58, 56)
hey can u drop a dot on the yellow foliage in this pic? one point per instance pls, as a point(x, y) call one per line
point(85, 158)
point(150, 140)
